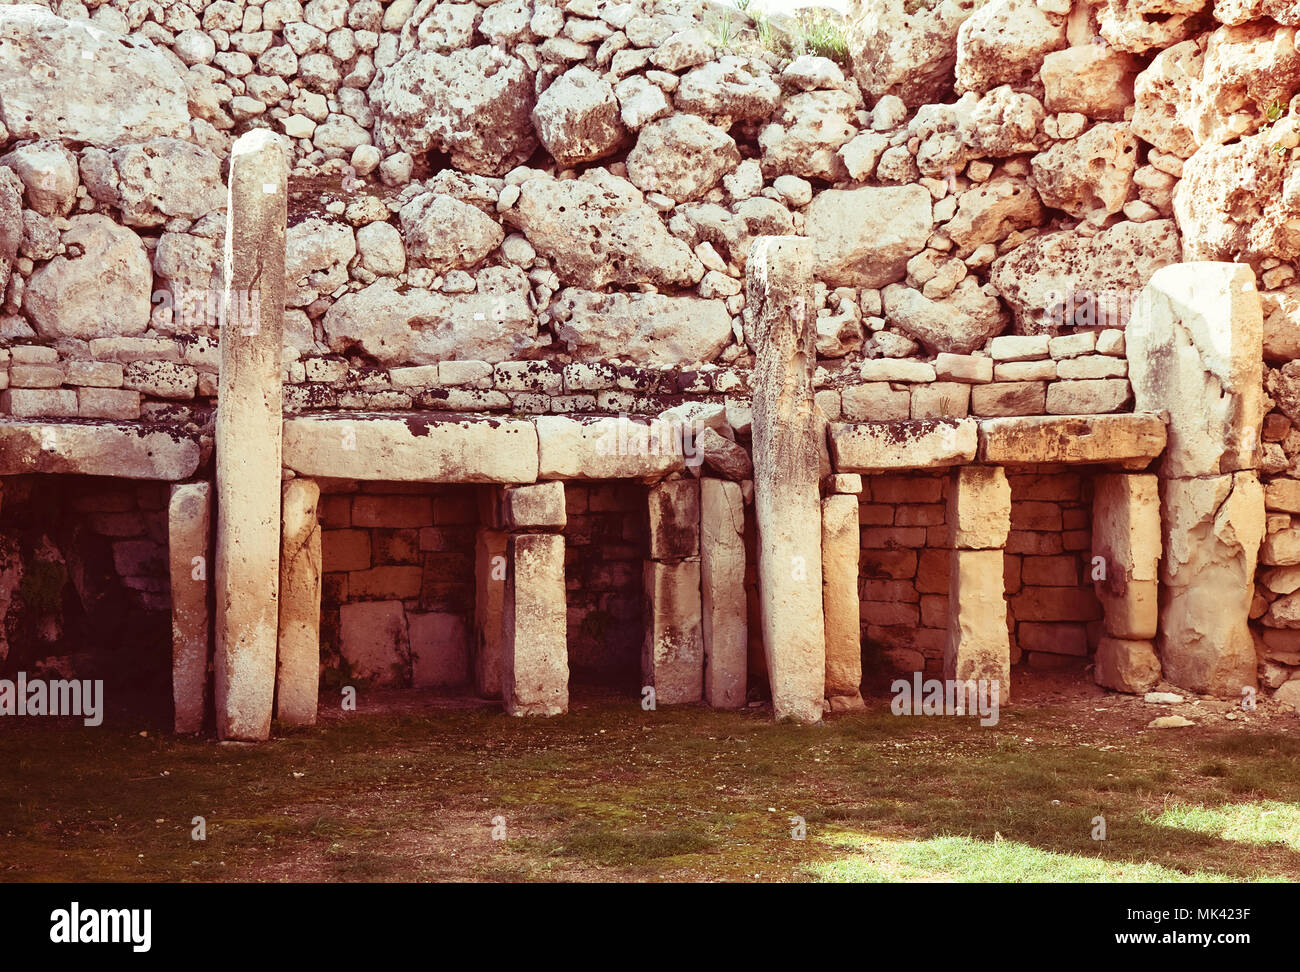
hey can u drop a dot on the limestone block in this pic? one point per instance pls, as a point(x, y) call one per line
point(189, 514)
point(1126, 535)
point(978, 646)
point(674, 519)
point(914, 444)
point(417, 447)
point(979, 508)
point(490, 553)
point(722, 587)
point(248, 443)
point(439, 649)
point(787, 444)
point(1126, 665)
point(535, 658)
point(1195, 351)
point(375, 642)
point(298, 662)
point(608, 448)
point(1212, 529)
point(538, 506)
point(1136, 438)
point(672, 658)
point(840, 547)
point(126, 450)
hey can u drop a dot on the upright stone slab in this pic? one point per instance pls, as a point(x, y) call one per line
point(787, 504)
point(298, 665)
point(979, 515)
point(841, 543)
point(248, 440)
point(674, 519)
point(672, 659)
point(189, 522)
point(1126, 553)
point(979, 645)
point(1195, 352)
point(535, 656)
point(491, 548)
point(1212, 531)
point(722, 589)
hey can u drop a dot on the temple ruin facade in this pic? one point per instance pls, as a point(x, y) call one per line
point(508, 347)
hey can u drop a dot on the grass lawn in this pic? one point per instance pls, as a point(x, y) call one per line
point(610, 792)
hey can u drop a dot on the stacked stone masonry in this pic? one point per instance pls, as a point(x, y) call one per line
point(507, 223)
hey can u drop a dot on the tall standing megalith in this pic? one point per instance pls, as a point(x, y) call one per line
point(787, 500)
point(248, 439)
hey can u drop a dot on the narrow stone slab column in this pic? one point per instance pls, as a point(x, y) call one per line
point(841, 544)
point(722, 588)
point(491, 548)
point(535, 670)
point(298, 666)
point(787, 503)
point(248, 440)
point(672, 658)
point(979, 515)
point(1126, 553)
point(189, 526)
point(1195, 352)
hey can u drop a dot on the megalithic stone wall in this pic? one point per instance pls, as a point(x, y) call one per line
point(248, 440)
point(1195, 350)
point(787, 503)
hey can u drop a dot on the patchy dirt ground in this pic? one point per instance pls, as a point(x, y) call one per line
point(415, 786)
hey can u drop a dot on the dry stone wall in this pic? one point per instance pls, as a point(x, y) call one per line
point(530, 207)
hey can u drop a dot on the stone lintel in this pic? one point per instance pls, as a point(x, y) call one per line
point(412, 447)
point(130, 450)
point(870, 447)
point(1129, 439)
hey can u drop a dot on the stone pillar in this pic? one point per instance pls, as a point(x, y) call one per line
point(298, 665)
point(1125, 572)
point(979, 515)
point(841, 544)
point(787, 457)
point(722, 589)
point(672, 659)
point(535, 658)
point(248, 437)
point(491, 548)
point(1195, 353)
point(189, 524)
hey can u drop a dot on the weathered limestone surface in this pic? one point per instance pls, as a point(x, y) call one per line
point(674, 519)
point(979, 646)
point(298, 665)
point(1194, 345)
point(535, 657)
point(491, 548)
point(1137, 439)
point(248, 437)
point(722, 587)
point(979, 508)
point(840, 546)
point(96, 449)
point(189, 520)
point(1126, 534)
point(672, 658)
point(910, 444)
point(416, 447)
point(607, 448)
point(786, 471)
point(1126, 665)
point(539, 506)
point(1212, 531)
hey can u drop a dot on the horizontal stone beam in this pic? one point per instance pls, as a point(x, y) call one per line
point(412, 447)
point(611, 448)
point(1131, 439)
point(870, 447)
point(128, 450)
